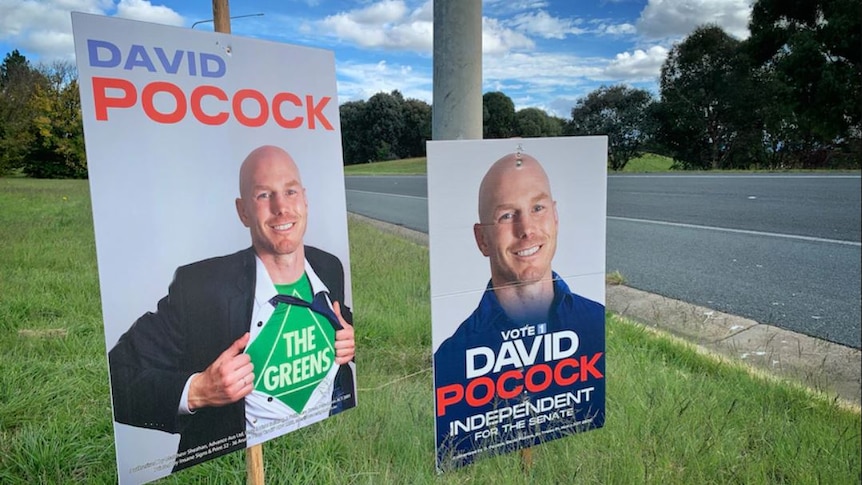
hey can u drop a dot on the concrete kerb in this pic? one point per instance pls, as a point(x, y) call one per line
point(824, 367)
point(827, 368)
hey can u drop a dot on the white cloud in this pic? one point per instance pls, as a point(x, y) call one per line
point(145, 11)
point(542, 72)
point(387, 24)
point(359, 81)
point(425, 12)
point(43, 29)
point(553, 81)
point(18, 17)
point(673, 18)
point(51, 45)
point(382, 12)
point(544, 25)
point(497, 39)
point(504, 7)
point(640, 65)
point(561, 106)
point(618, 29)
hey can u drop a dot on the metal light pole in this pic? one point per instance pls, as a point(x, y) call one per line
point(457, 104)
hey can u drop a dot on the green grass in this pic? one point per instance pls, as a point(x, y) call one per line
point(408, 166)
point(417, 166)
point(674, 415)
point(649, 162)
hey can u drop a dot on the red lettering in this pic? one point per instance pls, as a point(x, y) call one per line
point(102, 101)
point(276, 110)
point(447, 395)
point(501, 384)
point(537, 369)
point(485, 382)
point(558, 372)
point(538, 378)
point(589, 367)
point(243, 94)
point(316, 111)
point(119, 93)
point(149, 93)
point(198, 94)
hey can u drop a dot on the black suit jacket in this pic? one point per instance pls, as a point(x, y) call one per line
point(208, 306)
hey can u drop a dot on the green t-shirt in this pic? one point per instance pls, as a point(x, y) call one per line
point(294, 350)
point(300, 288)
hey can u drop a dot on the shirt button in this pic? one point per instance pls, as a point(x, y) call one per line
point(259, 324)
point(269, 399)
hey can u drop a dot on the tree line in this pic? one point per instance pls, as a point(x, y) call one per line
point(41, 133)
point(789, 96)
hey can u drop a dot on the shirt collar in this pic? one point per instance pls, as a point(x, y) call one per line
point(265, 288)
point(491, 311)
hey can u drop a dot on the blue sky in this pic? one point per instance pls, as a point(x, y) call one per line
point(541, 53)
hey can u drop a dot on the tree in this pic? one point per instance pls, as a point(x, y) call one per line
point(809, 55)
point(620, 112)
point(417, 128)
point(534, 122)
point(498, 115)
point(384, 121)
point(385, 127)
point(18, 81)
point(353, 133)
point(57, 133)
point(701, 82)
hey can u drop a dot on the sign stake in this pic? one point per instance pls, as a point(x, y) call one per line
point(253, 455)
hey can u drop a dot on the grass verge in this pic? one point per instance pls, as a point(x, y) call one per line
point(673, 414)
point(648, 162)
point(417, 166)
point(407, 166)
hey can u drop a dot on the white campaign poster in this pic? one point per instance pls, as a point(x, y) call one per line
point(169, 115)
point(502, 383)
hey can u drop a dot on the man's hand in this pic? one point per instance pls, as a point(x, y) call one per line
point(227, 380)
point(345, 348)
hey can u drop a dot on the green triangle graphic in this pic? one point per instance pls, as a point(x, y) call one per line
point(292, 354)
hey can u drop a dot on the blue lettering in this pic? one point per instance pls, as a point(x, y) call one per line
point(193, 70)
point(105, 54)
point(173, 66)
point(93, 47)
point(138, 57)
point(205, 66)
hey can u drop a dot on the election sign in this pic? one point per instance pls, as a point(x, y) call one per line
point(170, 114)
point(517, 250)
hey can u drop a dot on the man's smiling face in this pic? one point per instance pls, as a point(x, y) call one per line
point(518, 222)
point(272, 202)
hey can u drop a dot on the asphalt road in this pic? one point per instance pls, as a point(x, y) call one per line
point(779, 249)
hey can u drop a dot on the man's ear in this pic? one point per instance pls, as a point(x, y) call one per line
point(240, 211)
point(479, 234)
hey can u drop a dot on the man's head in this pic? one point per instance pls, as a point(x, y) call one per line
point(518, 221)
point(272, 201)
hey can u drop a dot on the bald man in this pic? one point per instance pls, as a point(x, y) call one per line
point(524, 300)
point(203, 364)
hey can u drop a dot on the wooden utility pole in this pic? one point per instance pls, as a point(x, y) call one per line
point(221, 16)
